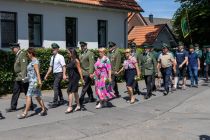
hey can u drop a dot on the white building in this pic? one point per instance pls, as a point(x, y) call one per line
point(38, 23)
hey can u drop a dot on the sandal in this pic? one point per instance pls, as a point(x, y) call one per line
point(43, 113)
point(22, 116)
point(69, 111)
point(77, 109)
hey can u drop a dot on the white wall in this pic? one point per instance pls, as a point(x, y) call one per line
point(54, 22)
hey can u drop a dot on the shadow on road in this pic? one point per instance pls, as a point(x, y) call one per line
point(204, 137)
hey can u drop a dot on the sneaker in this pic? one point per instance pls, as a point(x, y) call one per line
point(99, 106)
point(183, 87)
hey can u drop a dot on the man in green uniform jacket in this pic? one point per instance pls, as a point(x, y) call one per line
point(116, 59)
point(87, 64)
point(148, 66)
point(21, 82)
point(207, 61)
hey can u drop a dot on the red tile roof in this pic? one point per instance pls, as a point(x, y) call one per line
point(130, 5)
point(145, 34)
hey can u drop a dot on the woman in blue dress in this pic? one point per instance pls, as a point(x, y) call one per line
point(35, 83)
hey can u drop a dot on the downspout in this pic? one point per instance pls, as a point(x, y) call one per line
point(125, 29)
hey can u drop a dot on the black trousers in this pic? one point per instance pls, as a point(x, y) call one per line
point(19, 87)
point(86, 89)
point(57, 86)
point(149, 84)
point(114, 85)
point(154, 88)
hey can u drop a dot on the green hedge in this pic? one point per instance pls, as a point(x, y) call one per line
point(7, 74)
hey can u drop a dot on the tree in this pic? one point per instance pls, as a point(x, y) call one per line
point(198, 18)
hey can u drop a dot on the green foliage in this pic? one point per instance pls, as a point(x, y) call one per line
point(7, 63)
point(199, 16)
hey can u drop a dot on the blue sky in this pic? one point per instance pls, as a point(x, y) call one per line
point(159, 8)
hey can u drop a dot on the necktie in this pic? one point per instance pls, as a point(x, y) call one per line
point(53, 63)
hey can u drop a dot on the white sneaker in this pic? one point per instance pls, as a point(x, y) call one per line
point(99, 106)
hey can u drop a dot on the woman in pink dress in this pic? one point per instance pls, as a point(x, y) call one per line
point(102, 76)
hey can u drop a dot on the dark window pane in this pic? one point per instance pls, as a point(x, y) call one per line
point(8, 28)
point(35, 30)
point(102, 33)
point(71, 32)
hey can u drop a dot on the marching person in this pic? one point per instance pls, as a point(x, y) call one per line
point(103, 79)
point(165, 63)
point(115, 58)
point(20, 68)
point(181, 57)
point(132, 73)
point(74, 75)
point(135, 54)
point(207, 62)
point(87, 64)
point(35, 85)
point(193, 66)
point(148, 67)
point(58, 68)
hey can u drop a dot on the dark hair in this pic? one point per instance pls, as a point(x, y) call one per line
point(73, 53)
point(31, 51)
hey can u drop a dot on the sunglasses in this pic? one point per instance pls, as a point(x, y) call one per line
point(127, 52)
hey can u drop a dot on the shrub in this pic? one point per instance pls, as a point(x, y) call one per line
point(7, 74)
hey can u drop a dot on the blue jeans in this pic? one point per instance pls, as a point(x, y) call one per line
point(193, 72)
point(166, 73)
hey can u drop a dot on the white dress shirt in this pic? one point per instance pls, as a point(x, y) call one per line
point(59, 62)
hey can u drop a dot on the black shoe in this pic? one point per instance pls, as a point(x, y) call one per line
point(62, 102)
point(146, 97)
point(10, 110)
point(53, 105)
point(1, 116)
point(117, 96)
point(165, 93)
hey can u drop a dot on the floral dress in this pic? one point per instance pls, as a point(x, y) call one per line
point(33, 90)
point(103, 88)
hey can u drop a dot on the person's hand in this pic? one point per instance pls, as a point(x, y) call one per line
point(180, 66)
point(91, 76)
point(83, 81)
point(39, 85)
point(199, 68)
point(64, 77)
point(110, 79)
point(45, 78)
point(116, 73)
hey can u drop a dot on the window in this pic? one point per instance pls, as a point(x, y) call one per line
point(71, 32)
point(102, 33)
point(8, 28)
point(35, 30)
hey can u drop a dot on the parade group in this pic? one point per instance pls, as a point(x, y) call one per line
point(165, 68)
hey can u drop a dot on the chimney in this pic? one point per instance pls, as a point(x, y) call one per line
point(151, 18)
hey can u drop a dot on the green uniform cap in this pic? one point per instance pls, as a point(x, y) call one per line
point(55, 46)
point(14, 45)
point(111, 44)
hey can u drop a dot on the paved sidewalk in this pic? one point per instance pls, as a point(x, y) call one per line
point(182, 115)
